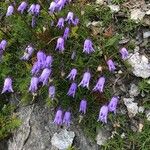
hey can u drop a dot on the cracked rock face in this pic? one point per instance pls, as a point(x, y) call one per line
point(134, 90)
point(140, 65)
point(37, 131)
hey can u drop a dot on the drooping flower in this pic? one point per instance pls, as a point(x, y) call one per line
point(100, 85)
point(10, 10)
point(52, 92)
point(83, 106)
point(48, 62)
point(69, 18)
point(60, 23)
point(3, 44)
point(45, 76)
point(76, 21)
point(67, 118)
point(32, 9)
point(113, 104)
point(52, 7)
point(85, 80)
point(111, 65)
point(60, 4)
point(34, 84)
point(66, 33)
point(72, 74)
point(103, 114)
point(41, 57)
point(22, 7)
point(29, 50)
point(88, 46)
point(124, 53)
point(60, 44)
point(58, 117)
point(37, 9)
point(36, 68)
point(33, 22)
point(7, 85)
point(72, 90)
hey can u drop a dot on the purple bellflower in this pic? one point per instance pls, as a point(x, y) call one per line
point(88, 46)
point(31, 10)
point(100, 85)
point(7, 85)
point(124, 53)
point(3, 44)
point(83, 106)
point(41, 57)
point(69, 18)
point(72, 74)
point(29, 50)
point(103, 114)
point(58, 117)
point(66, 33)
point(10, 10)
point(72, 90)
point(48, 62)
point(60, 4)
point(113, 104)
point(34, 84)
point(36, 67)
point(111, 65)
point(76, 21)
point(60, 44)
point(52, 7)
point(37, 9)
point(85, 80)
point(60, 23)
point(67, 118)
point(52, 92)
point(45, 76)
point(22, 7)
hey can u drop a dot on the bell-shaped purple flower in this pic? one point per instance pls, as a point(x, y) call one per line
point(34, 84)
point(3, 44)
point(52, 92)
point(83, 106)
point(69, 18)
point(85, 80)
point(72, 74)
point(58, 117)
point(113, 104)
point(37, 9)
point(48, 62)
point(31, 10)
point(88, 46)
point(45, 76)
point(22, 7)
point(60, 4)
point(66, 33)
point(67, 118)
point(124, 53)
point(60, 23)
point(72, 90)
point(76, 21)
point(111, 65)
point(52, 7)
point(103, 114)
point(29, 50)
point(7, 85)
point(60, 44)
point(10, 10)
point(41, 57)
point(36, 68)
point(100, 85)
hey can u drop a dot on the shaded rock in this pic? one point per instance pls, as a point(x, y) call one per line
point(146, 34)
point(131, 106)
point(124, 41)
point(63, 140)
point(102, 136)
point(140, 65)
point(114, 8)
point(137, 15)
point(141, 109)
point(134, 90)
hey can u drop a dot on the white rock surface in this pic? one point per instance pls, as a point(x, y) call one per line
point(134, 90)
point(141, 109)
point(148, 115)
point(114, 8)
point(100, 2)
point(131, 106)
point(140, 65)
point(146, 34)
point(63, 139)
point(137, 15)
